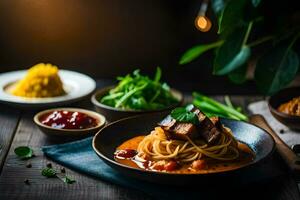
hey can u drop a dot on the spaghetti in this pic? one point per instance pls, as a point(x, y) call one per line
point(156, 146)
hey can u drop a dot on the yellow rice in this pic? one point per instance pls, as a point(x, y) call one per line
point(41, 80)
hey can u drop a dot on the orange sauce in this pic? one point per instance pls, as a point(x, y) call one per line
point(213, 166)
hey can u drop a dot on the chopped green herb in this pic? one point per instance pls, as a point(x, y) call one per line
point(138, 92)
point(49, 172)
point(68, 180)
point(52, 173)
point(184, 114)
point(23, 152)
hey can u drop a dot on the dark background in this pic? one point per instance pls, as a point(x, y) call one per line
point(107, 38)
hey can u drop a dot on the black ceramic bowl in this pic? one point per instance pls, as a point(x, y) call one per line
point(110, 137)
point(113, 114)
point(281, 97)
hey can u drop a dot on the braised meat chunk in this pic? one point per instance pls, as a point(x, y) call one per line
point(178, 130)
point(206, 128)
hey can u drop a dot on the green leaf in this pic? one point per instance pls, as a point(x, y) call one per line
point(233, 53)
point(49, 172)
point(23, 152)
point(255, 3)
point(232, 15)
point(184, 114)
point(196, 51)
point(68, 180)
point(237, 61)
point(136, 91)
point(218, 6)
point(277, 68)
point(238, 76)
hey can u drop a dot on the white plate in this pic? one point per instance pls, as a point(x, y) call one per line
point(76, 85)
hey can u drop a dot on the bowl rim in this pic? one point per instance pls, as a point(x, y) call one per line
point(250, 164)
point(282, 114)
point(106, 89)
point(99, 117)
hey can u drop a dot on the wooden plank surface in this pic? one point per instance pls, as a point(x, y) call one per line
point(14, 173)
point(9, 119)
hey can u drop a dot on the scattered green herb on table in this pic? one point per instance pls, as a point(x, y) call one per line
point(213, 108)
point(52, 173)
point(68, 180)
point(138, 92)
point(24, 152)
point(49, 172)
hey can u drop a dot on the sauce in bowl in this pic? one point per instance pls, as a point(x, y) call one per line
point(62, 119)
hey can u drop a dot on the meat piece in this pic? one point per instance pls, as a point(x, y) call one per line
point(178, 130)
point(207, 129)
point(167, 123)
point(214, 120)
point(182, 130)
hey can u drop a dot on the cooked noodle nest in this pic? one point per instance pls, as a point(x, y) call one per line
point(157, 146)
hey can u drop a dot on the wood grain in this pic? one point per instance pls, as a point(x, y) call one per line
point(14, 173)
point(284, 150)
point(9, 119)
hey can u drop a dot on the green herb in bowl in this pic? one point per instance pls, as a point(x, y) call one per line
point(139, 92)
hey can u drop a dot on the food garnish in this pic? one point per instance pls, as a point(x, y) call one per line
point(41, 80)
point(49, 172)
point(68, 180)
point(24, 152)
point(138, 92)
point(52, 173)
point(184, 114)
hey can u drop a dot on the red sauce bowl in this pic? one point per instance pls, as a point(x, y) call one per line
point(69, 122)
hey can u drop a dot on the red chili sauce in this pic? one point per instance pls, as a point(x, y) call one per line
point(63, 119)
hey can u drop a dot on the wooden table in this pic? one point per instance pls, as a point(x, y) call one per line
point(17, 128)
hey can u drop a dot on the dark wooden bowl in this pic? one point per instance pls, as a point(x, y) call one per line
point(113, 114)
point(110, 137)
point(281, 97)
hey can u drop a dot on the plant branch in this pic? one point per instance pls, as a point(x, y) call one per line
point(248, 32)
point(294, 40)
point(262, 40)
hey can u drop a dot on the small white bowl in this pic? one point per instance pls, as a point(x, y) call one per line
point(56, 132)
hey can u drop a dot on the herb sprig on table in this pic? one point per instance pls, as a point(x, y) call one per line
point(52, 173)
point(24, 152)
point(138, 92)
